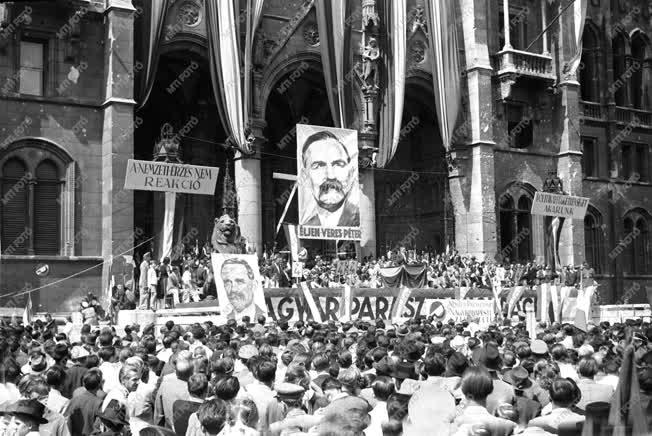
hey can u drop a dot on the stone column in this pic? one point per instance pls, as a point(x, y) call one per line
point(569, 160)
point(508, 42)
point(367, 195)
point(117, 135)
point(471, 169)
point(544, 23)
point(248, 187)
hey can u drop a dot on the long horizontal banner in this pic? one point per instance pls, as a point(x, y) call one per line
point(291, 305)
point(566, 206)
point(170, 177)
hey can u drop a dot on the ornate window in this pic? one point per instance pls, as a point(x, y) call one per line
point(516, 225)
point(619, 85)
point(635, 162)
point(636, 242)
point(590, 74)
point(640, 97)
point(32, 67)
point(594, 247)
point(590, 161)
point(519, 125)
point(37, 204)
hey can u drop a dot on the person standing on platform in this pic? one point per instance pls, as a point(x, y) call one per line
point(163, 275)
point(143, 285)
point(152, 284)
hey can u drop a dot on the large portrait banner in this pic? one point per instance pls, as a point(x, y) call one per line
point(328, 184)
point(239, 286)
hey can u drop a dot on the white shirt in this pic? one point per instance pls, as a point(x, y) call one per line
point(609, 380)
point(378, 416)
point(164, 355)
point(186, 279)
point(9, 393)
point(566, 370)
point(152, 279)
point(111, 376)
point(57, 402)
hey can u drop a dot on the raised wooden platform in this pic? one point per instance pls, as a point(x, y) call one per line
point(183, 314)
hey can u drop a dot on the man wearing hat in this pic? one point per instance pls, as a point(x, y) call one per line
point(539, 349)
point(502, 393)
point(286, 415)
point(36, 364)
point(113, 421)
point(29, 416)
point(75, 373)
point(241, 370)
point(529, 394)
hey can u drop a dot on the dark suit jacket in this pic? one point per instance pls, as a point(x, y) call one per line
point(350, 217)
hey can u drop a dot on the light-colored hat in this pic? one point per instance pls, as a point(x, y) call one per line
point(78, 352)
point(247, 351)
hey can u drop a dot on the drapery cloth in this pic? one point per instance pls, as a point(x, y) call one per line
point(394, 59)
point(153, 20)
point(334, 43)
point(230, 75)
point(579, 17)
point(404, 276)
point(167, 233)
point(444, 55)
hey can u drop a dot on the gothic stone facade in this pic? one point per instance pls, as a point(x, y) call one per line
point(70, 123)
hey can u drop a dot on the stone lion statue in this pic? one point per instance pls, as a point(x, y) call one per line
point(226, 237)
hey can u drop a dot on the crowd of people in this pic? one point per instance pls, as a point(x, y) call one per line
point(442, 271)
point(190, 278)
point(255, 377)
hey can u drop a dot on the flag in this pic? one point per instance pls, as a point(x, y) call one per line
point(583, 306)
point(514, 295)
point(626, 414)
point(314, 310)
point(554, 296)
point(566, 303)
point(28, 313)
point(543, 296)
point(399, 303)
point(496, 287)
point(345, 304)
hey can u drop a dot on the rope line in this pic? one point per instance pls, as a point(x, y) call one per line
point(19, 293)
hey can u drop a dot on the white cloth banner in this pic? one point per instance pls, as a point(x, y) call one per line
point(167, 234)
point(445, 65)
point(579, 18)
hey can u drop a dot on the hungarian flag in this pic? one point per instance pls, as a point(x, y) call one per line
point(345, 304)
point(28, 312)
point(496, 287)
point(514, 295)
point(543, 296)
point(399, 303)
point(314, 310)
point(583, 306)
point(556, 302)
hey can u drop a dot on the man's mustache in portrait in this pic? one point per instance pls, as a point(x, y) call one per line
point(330, 185)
